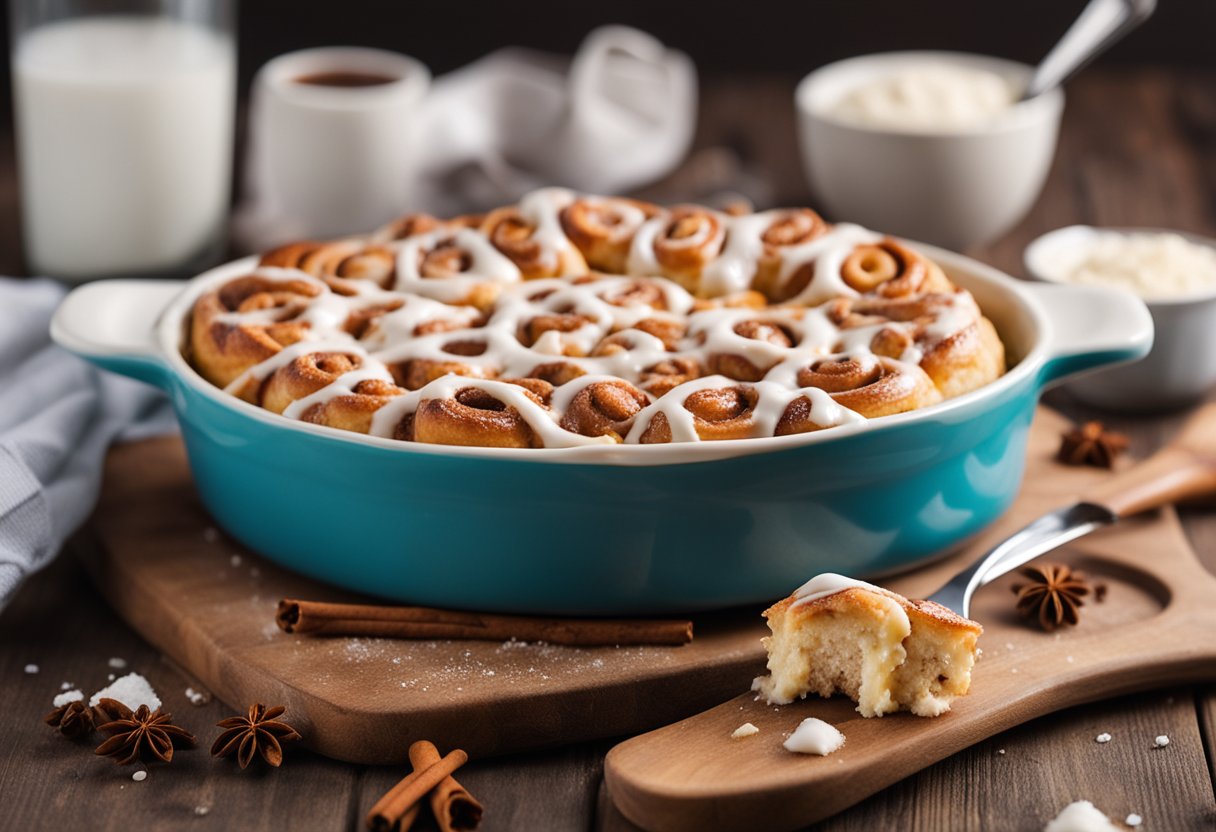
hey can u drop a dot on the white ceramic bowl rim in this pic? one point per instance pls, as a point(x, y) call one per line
point(170, 330)
point(810, 94)
point(1059, 237)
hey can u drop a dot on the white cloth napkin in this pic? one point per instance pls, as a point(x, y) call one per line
point(621, 114)
point(58, 415)
point(621, 117)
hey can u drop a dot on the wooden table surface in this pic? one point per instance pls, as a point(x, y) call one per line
point(1138, 148)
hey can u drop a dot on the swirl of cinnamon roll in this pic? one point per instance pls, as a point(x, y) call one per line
point(479, 417)
point(604, 408)
point(455, 267)
point(303, 376)
point(944, 333)
point(864, 384)
point(530, 234)
point(678, 245)
point(663, 377)
point(603, 229)
point(416, 373)
point(246, 321)
point(351, 409)
point(716, 413)
point(343, 259)
point(755, 249)
point(893, 270)
point(753, 368)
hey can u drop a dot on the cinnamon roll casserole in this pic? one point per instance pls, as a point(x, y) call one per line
point(569, 320)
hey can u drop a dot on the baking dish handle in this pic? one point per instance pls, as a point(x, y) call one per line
point(1090, 327)
point(112, 323)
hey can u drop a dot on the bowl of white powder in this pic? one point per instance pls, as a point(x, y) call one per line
point(932, 146)
point(1175, 274)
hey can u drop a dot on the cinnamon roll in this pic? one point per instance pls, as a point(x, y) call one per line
point(678, 244)
point(491, 331)
point(604, 408)
point(344, 259)
point(246, 321)
point(867, 385)
point(711, 412)
point(603, 229)
point(477, 416)
point(531, 236)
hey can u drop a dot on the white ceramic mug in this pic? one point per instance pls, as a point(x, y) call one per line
point(328, 160)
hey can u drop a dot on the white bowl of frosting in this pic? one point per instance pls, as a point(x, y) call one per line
point(932, 146)
point(1175, 274)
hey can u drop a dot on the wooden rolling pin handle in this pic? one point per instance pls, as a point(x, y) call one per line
point(1183, 470)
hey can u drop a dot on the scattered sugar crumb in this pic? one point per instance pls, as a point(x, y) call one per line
point(197, 697)
point(66, 697)
point(1162, 741)
point(140, 776)
point(66, 686)
point(201, 810)
point(1068, 659)
point(1009, 645)
point(117, 663)
point(1001, 751)
point(131, 690)
point(1013, 670)
point(31, 669)
point(235, 560)
point(1081, 816)
point(744, 730)
point(211, 534)
point(1133, 820)
point(110, 677)
point(1103, 737)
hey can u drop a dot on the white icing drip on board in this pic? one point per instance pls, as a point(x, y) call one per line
point(390, 339)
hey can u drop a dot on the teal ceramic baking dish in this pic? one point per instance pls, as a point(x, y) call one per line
point(613, 530)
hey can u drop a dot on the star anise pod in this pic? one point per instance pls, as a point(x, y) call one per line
point(1091, 444)
point(133, 733)
point(261, 732)
point(74, 720)
point(1054, 595)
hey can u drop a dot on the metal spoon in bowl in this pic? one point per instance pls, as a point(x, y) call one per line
point(1101, 25)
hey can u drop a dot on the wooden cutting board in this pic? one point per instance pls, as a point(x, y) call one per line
point(209, 604)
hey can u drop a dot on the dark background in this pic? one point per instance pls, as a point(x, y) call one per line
point(775, 36)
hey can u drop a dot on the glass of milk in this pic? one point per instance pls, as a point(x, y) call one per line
point(124, 133)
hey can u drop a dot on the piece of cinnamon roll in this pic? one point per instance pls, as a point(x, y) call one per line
point(716, 413)
point(352, 410)
point(344, 259)
point(247, 320)
point(480, 416)
point(678, 245)
point(603, 229)
point(867, 385)
point(604, 408)
point(457, 267)
point(530, 235)
point(753, 366)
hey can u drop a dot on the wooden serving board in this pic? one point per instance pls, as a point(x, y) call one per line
point(1155, 626)
point(209, 604)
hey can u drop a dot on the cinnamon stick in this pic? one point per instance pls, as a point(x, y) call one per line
point(326, 619)
point(399, 807)
point(454, 808)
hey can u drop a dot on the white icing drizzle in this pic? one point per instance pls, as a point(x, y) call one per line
point(390, 338)
point(829, 583)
